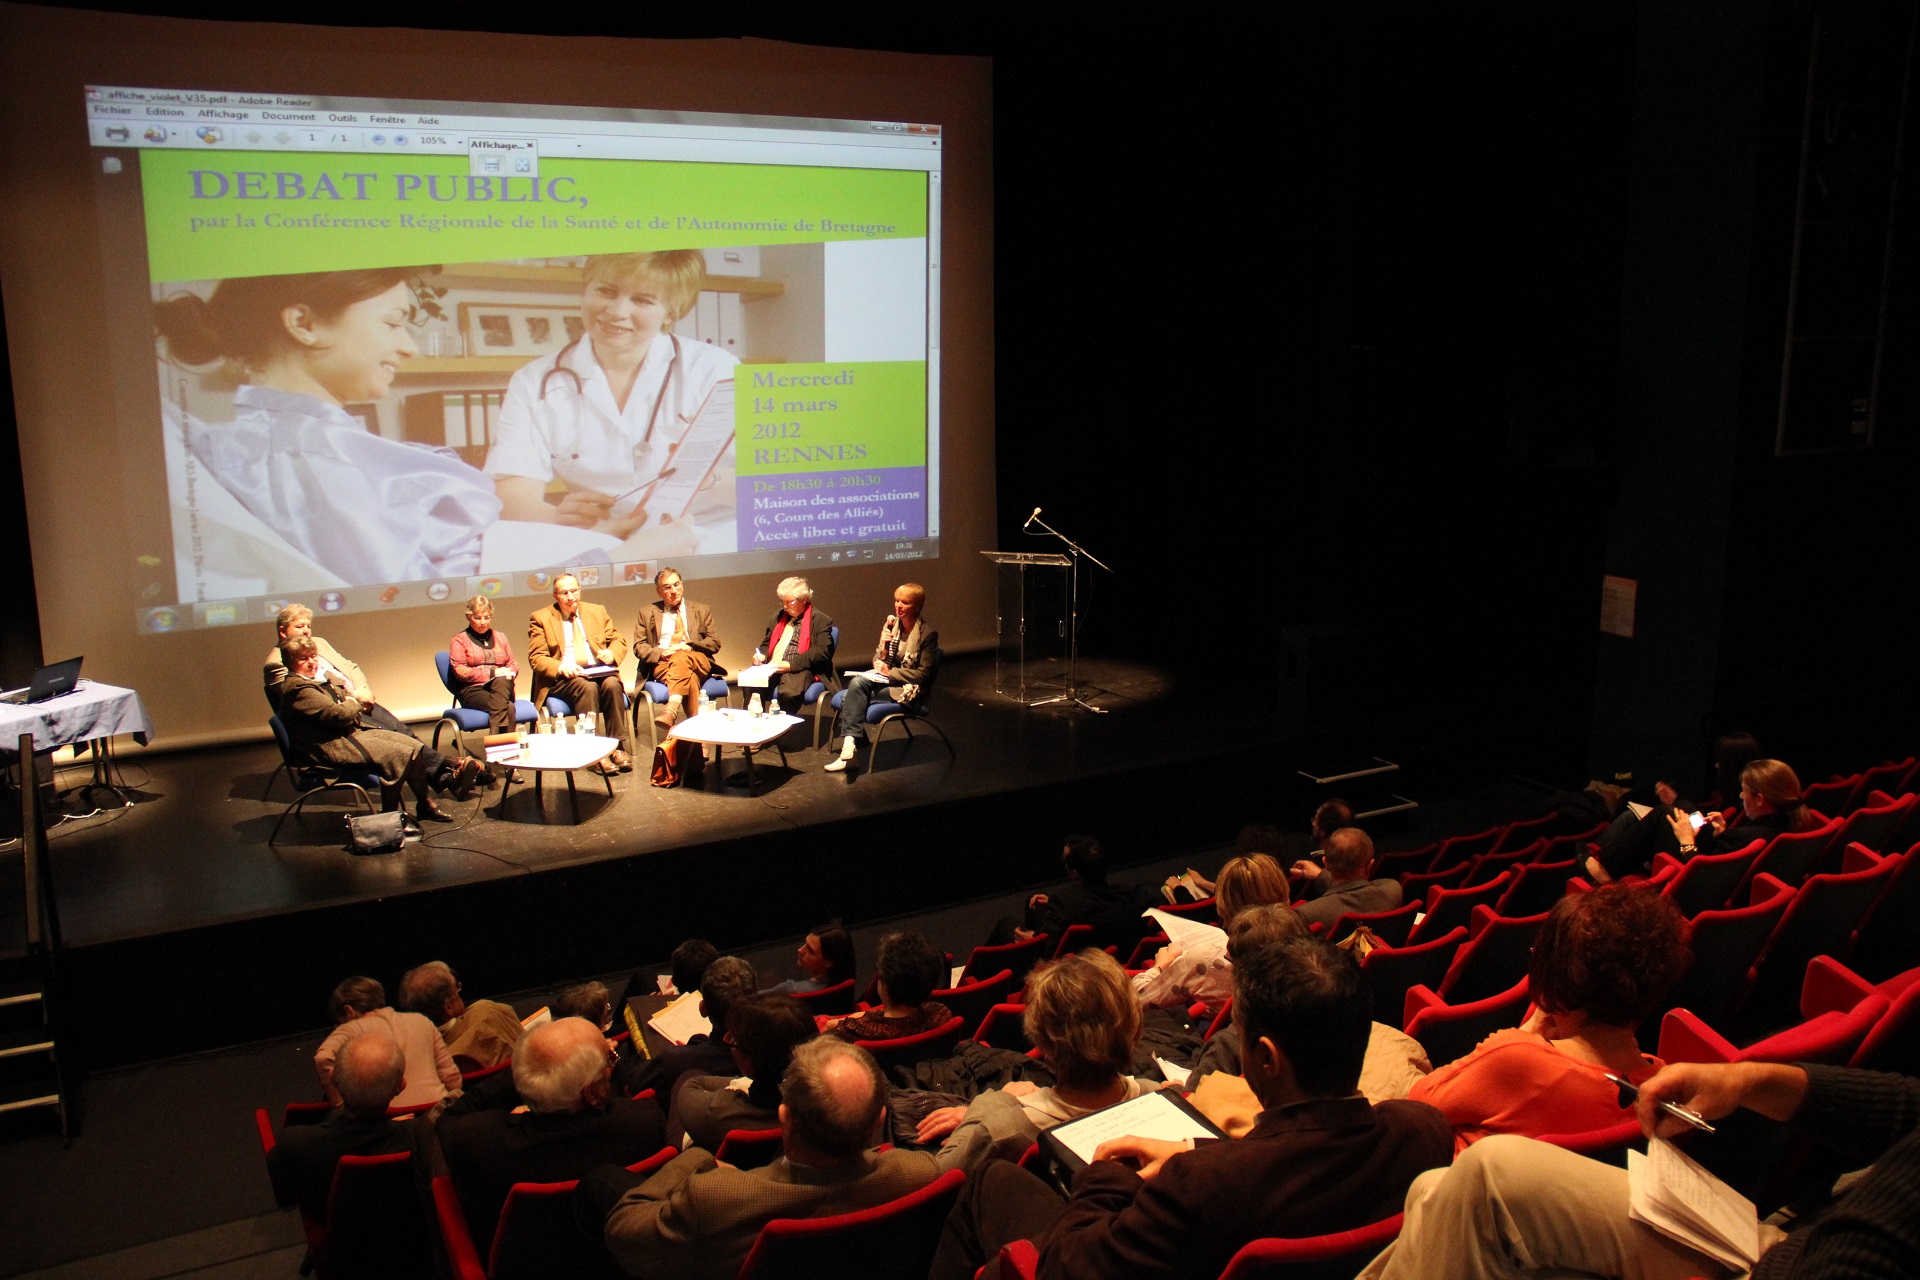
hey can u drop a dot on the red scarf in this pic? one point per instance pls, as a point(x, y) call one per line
point(780, 626)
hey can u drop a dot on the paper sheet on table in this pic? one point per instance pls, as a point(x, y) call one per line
point(682, 1020)
point(1184, 933)
point(758, 676)
point(1151, 1115)
point(1676, 1197)
point(1176, 1075)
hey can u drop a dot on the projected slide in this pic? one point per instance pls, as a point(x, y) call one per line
point(407, 352)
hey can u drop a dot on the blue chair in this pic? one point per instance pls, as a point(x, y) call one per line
point(311, 778)
point(881, 713)
point(472, 719)
point(652, 693)
point(816, 695)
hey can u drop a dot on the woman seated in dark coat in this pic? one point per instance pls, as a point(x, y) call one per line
point(323, 723)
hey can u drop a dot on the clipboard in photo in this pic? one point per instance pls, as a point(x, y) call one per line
point(691, 464)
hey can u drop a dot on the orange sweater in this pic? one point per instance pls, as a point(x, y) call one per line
point(1517, 1082)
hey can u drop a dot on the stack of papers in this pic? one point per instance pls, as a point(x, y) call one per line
point(1675, 1196)
point(1184, 933)
point(682, 1020)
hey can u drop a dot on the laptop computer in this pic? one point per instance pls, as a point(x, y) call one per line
point(48, 682)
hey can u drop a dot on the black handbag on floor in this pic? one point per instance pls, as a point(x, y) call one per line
point(376, 832)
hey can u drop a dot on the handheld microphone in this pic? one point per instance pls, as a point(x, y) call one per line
point(1032, 518)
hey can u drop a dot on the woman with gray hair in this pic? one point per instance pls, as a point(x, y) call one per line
point(798, 644)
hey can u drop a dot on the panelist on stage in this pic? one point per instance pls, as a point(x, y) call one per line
point(483, 668)
point(674, 643)
point(322, 720)
point(566, 644)
point(902, 663)
point(296, 623)
point(796, 642)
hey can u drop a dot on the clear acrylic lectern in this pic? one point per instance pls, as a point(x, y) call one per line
point(1031, 625)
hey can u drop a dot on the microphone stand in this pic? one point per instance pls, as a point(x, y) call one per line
point(1077, 553)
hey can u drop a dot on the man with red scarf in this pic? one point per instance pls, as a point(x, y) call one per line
point(796, 643)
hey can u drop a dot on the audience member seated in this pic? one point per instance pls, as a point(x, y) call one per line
point(827, 955)
point(1395, 1062)
point(480, 1034)
point(1082, 1016)
point(1264, 837)
point(1321, 1159)
point(586, 1000)
point(573, 1123)
point(295, 622)
point(1343, 888)
point(1201, 971)
point(1112, 909)
point(589, 1000)
point(569, 643)
point(368, 1074)
point(903, 663)
point(695, 1219)
point(796, 644)
point(687, 966)
point(1601, 964)
point(726, 980)
point(481, 662)
point(323, 724)
point(1769, 795)
point(1511, 1206)
point(359, 1006)
point(910, 969)
point(763, 1031)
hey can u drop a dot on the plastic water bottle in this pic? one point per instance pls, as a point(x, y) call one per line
point(586, 723)
point(754, 708)
point(545, 724)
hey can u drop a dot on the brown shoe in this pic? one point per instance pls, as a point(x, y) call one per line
point(622, 761)
point(465, 775)
point(606, 768)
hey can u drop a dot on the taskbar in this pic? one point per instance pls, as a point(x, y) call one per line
point(592, 575)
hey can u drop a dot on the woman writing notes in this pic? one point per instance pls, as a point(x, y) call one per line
point(629, 418)
point(368, 509)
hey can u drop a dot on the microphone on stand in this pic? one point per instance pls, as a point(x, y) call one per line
point(1032, 518)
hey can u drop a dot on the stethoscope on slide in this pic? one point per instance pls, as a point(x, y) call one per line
point(580, 389)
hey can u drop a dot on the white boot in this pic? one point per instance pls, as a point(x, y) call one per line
point(839, 763)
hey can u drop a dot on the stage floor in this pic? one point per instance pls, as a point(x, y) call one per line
point(193, 851)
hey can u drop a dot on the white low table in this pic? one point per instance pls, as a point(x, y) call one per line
point(563, 753)
point(730, 727)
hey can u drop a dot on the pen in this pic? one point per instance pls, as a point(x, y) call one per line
point(1628, 1092)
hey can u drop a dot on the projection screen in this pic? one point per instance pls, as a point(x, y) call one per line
point(376, 321)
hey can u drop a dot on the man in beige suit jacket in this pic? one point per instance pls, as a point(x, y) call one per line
point(565, 639)
point(695, 1220)
point(296, 623)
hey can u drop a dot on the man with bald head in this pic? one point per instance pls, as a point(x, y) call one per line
point(696, 1219)
point(1343, 888)
point(369, 1072)
point(570, 645)
point(573, 1123)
